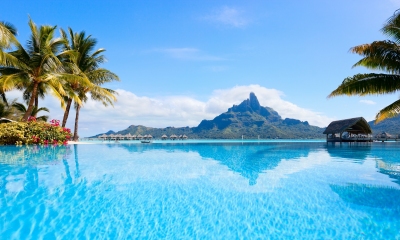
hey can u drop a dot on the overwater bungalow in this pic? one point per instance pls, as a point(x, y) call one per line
point(140, 137)
point(349, 130)
point(173, 137)
point(128, 136)
point(112, 137)
point(103, 137)
point(149, 137)
point(184, 136)
point(164, 137)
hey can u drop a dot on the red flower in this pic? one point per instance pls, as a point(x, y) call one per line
point(65, 142)
point(46, 142)
point(31, 119)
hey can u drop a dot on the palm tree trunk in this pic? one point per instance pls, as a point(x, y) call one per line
point(31, 102)
point(76, 123)
point(66, 112)
point(36, 104)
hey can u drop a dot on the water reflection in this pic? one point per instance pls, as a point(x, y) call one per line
point(249, 160)
point(19, 165)
point(357, 152)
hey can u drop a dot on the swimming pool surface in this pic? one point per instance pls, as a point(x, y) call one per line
point(201, 190)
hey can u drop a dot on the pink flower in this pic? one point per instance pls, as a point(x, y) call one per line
point(55, 123)
point(31, 119)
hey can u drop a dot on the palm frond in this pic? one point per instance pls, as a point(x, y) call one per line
point(368, 84)
point(392, 27)
point(390, 111)
point(380, 55)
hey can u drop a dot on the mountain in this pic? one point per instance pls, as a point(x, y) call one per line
point(248, 119)
point(390, 125)
point(252, 120)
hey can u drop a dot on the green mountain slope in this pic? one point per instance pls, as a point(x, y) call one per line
point(391, 126)
point(248, 119)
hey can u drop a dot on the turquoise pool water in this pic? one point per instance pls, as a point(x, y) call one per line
point(203, 190)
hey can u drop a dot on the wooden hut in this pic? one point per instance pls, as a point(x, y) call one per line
point(139, 137)
point(173, 137)
point(149, 137)
point(184, 136)
point(128, 136)
point(356, 129)
point(103, 137)
point(112, 137)
point(164, 137)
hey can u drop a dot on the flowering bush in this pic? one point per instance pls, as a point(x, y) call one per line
point(33, 132)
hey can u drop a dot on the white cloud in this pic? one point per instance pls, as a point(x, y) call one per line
point(193, 54)
point(369, 102)
point(177, 111)
point(228, 16)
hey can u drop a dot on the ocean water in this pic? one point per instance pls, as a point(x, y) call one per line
point(201, 190)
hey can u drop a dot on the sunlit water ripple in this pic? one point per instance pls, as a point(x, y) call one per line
point(218, 190)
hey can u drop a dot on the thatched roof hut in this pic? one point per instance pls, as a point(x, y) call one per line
point(112, 136)
point(119, 137)
point(128, 136)
point(139, 136)
point(383, 135)
point(164, 137)
point(184, 136)
point(149, 136)
point(173, 137)
point(352, 125)
point(104, 136)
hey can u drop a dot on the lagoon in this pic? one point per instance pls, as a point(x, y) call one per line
point(201, 189)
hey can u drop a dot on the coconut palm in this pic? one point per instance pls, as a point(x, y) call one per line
point(7, 39)
point(378, 55)
point(22, 108)
point(87, 61)
point(38, 66)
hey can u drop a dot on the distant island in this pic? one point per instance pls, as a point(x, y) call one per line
point(252, 121)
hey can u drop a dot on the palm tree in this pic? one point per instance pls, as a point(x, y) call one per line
point(37, 67)
point(378, 55)
point(4, 110)
point(87, 62)
point(7, 35)
point(21, 108)
point(7, 39)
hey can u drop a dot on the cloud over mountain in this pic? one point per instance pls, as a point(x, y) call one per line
point(177, 111)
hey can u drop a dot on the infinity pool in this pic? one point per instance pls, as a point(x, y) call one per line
point(202, 190)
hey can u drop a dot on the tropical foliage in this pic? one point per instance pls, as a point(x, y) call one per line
point(378, 55)
point(86, 62)
point(33, 132)
point(22, 109)
point(68, 67)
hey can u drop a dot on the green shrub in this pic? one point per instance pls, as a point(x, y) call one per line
point(33, 132)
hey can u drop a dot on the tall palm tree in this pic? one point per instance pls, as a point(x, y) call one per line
point(87, 62)
point(37, 66)
point(378, 55)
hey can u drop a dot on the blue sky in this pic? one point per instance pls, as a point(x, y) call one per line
point(184, 61)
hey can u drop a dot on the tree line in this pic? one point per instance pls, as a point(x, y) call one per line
point(67, 67)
